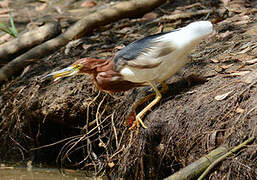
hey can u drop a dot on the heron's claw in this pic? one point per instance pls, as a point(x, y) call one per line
point(137, 123)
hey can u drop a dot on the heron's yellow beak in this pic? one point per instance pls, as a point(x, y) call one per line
point(69, 71)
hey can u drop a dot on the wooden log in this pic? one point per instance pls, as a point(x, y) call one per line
point(26, 41)
point(223, 157)
point(196, 168)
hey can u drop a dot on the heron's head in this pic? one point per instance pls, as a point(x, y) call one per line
point(81, 66)
point(200, 29)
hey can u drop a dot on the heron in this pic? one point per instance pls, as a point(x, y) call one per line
point(145, 62)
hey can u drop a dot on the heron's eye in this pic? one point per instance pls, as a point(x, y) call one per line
point(78, 66)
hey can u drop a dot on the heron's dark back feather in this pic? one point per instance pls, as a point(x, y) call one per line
point(133, 50)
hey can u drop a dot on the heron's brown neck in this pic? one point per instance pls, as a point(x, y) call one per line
point(105, 65)
point(107, 78)
point(95, 66)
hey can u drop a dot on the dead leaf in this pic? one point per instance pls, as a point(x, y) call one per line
point(245, 50)
point(70, 171)
point(218, 69)
point(86, 46)
point(149, 16)
point(225, 2)
point(125, 30)
point(4, 15)
point(254, 51)
point(183, 8)
point(253, 61)
point(223, 96)
point(252, 30)
point(120, 47)
point(42, 7)
point(88, 4)
point(250, 78)
point(237, 6)
point(4, 38)
point(212, 138)
point(111, 164)
point(177, 11)
point(209, 74)
point(160, 29)
point(239, 110)
point(242, 57)
point(226, 66)
point(225, 34)
point(101, 144)
point(5, 11)
point(4, 3)
point(240, 73)
point(6, 167)
point(242, 22)
point(72, 44)
point(26, 69)
point(215, 60)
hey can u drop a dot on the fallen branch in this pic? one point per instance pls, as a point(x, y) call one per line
point(193, 170)
point(28, 40)
point(234, 150)
point(121, 10)
point(206, 163)
point(184, 15)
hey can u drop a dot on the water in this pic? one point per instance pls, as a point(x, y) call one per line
point(15, 173)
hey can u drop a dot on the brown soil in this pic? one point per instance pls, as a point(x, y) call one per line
point(191, 120)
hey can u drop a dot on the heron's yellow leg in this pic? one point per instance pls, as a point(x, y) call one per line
point(148, 97)
point(165, 88)
point(139, 116)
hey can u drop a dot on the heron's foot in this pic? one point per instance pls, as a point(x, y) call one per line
point(138, 119)
point(130, 119)
point(137, 123)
